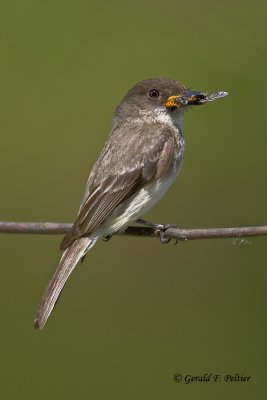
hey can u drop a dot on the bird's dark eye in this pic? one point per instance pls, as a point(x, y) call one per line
point(154, 93)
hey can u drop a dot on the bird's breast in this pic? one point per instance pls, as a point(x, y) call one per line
point(144, 199)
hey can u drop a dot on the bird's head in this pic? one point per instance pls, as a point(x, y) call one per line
point(159, 96)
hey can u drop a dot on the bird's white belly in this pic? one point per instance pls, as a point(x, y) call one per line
point(137, 205)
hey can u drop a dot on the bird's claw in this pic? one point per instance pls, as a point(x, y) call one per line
point(161, 228)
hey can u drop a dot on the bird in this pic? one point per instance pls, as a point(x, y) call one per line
point(140, 160)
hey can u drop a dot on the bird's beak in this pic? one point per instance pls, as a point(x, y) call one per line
point(192, 98)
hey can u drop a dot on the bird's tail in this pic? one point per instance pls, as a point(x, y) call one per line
point(67, 263)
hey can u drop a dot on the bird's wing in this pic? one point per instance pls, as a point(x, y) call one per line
point(109, 192)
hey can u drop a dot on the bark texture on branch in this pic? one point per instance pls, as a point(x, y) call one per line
point(53, 228)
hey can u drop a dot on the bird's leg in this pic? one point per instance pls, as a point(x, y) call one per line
point(159, 227)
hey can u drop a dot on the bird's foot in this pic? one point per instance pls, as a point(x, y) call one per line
point(159, 228)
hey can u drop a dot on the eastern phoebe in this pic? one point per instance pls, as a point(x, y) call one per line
point(140, 160)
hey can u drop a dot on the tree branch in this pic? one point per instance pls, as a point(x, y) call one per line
point(52, 228)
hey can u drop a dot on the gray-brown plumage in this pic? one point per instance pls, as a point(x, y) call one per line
point(126, 177)
point(138, 163)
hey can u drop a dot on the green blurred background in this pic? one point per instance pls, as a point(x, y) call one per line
point(136, 312)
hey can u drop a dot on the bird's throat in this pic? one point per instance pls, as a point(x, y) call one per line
point(171, 118)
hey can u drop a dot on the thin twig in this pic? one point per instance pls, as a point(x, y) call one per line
point(52, 228)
